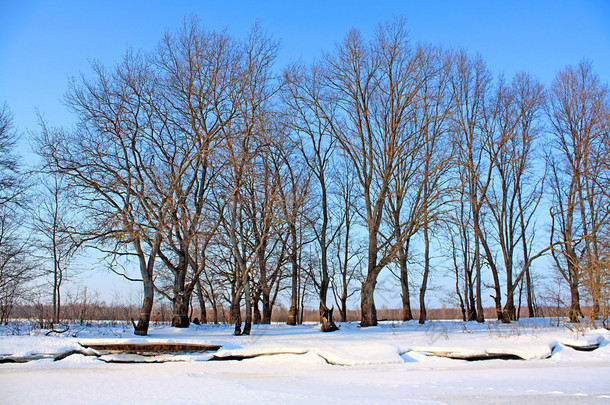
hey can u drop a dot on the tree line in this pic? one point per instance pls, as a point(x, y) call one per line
point(229, 181)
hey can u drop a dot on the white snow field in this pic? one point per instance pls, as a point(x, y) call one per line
point(390, 363)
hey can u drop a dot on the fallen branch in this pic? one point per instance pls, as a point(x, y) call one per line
point(57, 331)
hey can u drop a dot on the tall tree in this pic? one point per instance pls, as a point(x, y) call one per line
point(517, 189)
point(248, 139)
point(348, 248)
point(197, 80)
point(433, 114)
point(374, 85)
point(52, 225)
point(471, 85)
point(310, 110)
point(16, 270)
point(112, 162)
point(577, 110)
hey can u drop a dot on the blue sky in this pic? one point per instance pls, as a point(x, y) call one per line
point(44, 43)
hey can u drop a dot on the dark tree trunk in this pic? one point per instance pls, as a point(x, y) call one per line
point(518, 312)
point(146, 271)
point(424, 283)
point(496, 279)
point(575, 310)
point(267, 308)
point(294, 304)
point(531, 311)
point(403, 253)
point(457, 282)
point(202, 308)
point(368, 311)
point(141, 329)
point(328, 324)
point(367, 301)
point(324, 283)
point(215, 313)
point(256, 312)
point(470, 300)
point(55, 318)
point(236, 311)
point(479, 306)
point(343, 309)
point(509, 313)
point(248, 297)
point(180, 318)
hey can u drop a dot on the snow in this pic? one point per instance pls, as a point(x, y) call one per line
point(393, 362)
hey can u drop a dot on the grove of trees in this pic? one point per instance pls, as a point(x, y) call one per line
point(231, 182)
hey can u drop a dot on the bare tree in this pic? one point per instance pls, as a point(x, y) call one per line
point(432, 117)
point(508, 202)
point(602, 276)
point(16, 270)
point(517, 189)
point(112, 162)
point(348, 248)
point(249, 138)
point(577, 110)
point(197, 80)
point(293, 196)
point(54, 234)
point(374, 85)
point(12, 182)
point(471, 85)
point(310, 109)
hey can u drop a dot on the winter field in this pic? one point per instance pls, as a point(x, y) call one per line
point(533, 361)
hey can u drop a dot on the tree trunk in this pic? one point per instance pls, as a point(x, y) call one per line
point(495, 276)
point(368, 316)
point(470, 299)
point(509, 312)
point(248, 297)
point(215, 313)
point(343, 310)
point(204, 316)
point(236, 310)
point(328, 324)
point(267, 308)
point(146, 271)
point(575, 311)
point(403, 253)
point(530, 294)
point(293, 313)
point(141, 329)
point(518, 312)
point(55, 318)
point(324, 283)
point(477, 257)
point(59, 300)
point(424, 283)
point(457, 281)
point(462, 307)
point(256, 312)
point(180, 318)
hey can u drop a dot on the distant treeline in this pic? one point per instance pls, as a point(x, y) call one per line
point(39, 315)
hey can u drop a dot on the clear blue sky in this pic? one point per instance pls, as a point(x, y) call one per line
point(43, 43)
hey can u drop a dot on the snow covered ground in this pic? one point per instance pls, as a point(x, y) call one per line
point(391, 363)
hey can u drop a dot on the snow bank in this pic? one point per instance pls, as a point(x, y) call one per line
point(390, 363)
